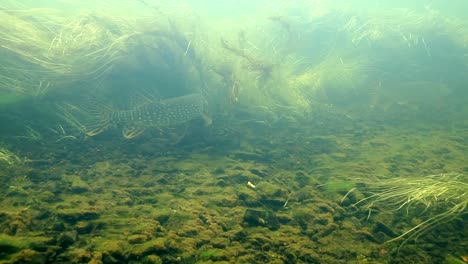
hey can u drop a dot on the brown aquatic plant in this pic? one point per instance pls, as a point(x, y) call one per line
point(261, 67)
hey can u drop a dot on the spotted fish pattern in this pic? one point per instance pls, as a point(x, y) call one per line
point(163, 113)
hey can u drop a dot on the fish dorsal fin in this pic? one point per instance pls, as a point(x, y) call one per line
point(132, 131)
point(143, 97)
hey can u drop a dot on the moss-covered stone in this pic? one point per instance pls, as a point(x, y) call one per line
point(137, 239)
point(77, 185)
point(79, 214)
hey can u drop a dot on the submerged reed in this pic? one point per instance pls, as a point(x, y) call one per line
point(8, 157)
point(443, 198)
point(47, 48)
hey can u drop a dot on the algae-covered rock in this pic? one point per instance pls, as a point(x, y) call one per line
point(28, 256)
point(450, 259)
point(303, 217)
point(10, 245)
point(264, 218)
point(17, 191)
point(152, 259)
point(74, 215)
point(220, 242)
point(85, 227)
point(74, 255)
point(77, 185)
point(137, 239)
point(47, 196)
point(67, 239)
point(214, 254)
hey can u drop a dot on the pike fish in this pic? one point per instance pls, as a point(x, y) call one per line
point(151, 114)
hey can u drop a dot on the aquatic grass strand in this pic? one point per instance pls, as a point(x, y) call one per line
point(443, 196)
point(44, 47)
point(8, 157)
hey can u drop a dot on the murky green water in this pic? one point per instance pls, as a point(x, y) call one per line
point(233, 132)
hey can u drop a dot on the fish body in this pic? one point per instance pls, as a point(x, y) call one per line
point(158, 113)
point(162, 113)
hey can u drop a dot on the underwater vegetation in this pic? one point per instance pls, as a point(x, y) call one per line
point(46, 46)
point(164, 131)
point(441, 198)
point(8, 157)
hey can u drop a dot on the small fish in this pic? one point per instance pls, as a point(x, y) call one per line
point(152, 113)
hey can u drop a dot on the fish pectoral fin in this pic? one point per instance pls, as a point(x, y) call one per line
point(97, 126)
point(94, 131)
point(132, 131)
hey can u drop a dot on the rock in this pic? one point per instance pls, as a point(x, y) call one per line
point(152, 259)
point(214, 254)
point(67, 239)
point(7, 248)
point(74, 215)
point(259, 172)
point(28, 256)
point(220, 242)
point(137, 239)
point(78, 185)
point(158, 245)
point(84, 227)
point(254, 217)
point(47, 196)
point(221, 183)
point(274, 204)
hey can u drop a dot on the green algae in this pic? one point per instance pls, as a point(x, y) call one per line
point(181, 209)
point(12, 246)
point(163, 199)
